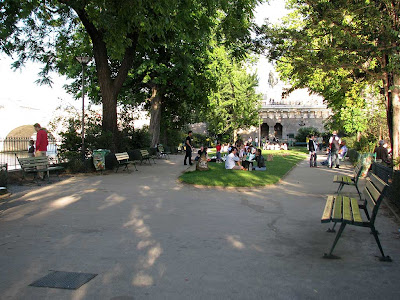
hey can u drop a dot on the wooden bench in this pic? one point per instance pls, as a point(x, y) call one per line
point(36, 165)
point(345, 210)
point(162, 152)
point(124, 160)
point(349, 180)
point(145, 155)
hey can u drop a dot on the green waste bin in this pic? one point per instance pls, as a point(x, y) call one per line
point(3, 178)
point(99, 159)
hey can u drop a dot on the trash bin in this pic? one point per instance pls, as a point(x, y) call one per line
point(99, 159)
point(3, 178)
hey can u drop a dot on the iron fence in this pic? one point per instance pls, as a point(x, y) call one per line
point(13, 147)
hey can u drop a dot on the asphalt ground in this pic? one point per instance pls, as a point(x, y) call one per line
point(148, 236)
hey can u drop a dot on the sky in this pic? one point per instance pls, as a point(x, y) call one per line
point(22, 101)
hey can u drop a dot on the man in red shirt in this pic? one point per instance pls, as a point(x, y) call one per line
point(41, 140)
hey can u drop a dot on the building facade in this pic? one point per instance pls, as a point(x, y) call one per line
point(283, 118)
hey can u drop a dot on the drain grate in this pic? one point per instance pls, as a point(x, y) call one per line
point(64, 280)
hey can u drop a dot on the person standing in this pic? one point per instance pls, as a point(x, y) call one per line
point(41, 140)
point(189, 148)
point(334, 143)
point(312, 148)
point(218, 148)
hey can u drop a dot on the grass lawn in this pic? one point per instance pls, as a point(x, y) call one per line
point(217, 175)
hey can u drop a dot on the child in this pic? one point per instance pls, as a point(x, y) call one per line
point(218, 148)
point(31, 149)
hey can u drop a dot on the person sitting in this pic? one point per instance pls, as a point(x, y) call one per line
point(31, 149)
point(203, 150)
point(382, 152)
point(343, 150)
point(232, 161)
point(328, 160)
point(260, 161)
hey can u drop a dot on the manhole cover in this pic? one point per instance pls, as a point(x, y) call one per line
point(64, 280)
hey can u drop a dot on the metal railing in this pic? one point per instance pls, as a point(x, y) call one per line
point(13, 147)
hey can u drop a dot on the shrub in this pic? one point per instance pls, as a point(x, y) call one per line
point(302, 133)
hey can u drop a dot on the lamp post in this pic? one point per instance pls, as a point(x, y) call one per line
point(83, 60)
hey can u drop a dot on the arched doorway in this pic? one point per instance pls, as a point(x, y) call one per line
point(278, 130)
point(264, 130)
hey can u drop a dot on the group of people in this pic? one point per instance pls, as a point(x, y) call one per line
point(239, 158)
point(40, 149)
point(336, 150)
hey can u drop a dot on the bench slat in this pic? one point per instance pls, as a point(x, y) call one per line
point(337, 209)
point(326, 216)
point(347, 215)
point(378, 183)
point(356, 212)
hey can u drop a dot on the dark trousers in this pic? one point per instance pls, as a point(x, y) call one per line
point(188, 155)
point(335, 158)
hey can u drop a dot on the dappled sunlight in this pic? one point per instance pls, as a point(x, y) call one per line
point(112, 200)
point(80, 293)
point(151, 248)
point(152, 255)
point(257, 248)
point(64, 201)
point(234, 242)
point(142, 280)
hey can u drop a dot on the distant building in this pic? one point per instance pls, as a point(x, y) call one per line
point(282, 117)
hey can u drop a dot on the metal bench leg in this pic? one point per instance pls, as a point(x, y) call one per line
point(358, 191)
point(330, 255)
point(341, 185)
point(134, 164)
point(383, 257)
point(332, 229)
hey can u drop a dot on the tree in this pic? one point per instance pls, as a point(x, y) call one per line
point(115, 33)
point(234, 104)
point(357, 41)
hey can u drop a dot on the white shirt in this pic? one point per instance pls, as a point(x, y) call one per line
point(230, 161)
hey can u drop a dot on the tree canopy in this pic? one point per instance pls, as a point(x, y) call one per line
point(337, 48)
point(120, 35)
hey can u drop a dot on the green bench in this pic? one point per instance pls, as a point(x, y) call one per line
point(124, 160)
point(162, 152)
point(36, 165)
point(145, 155)
point(349, 180)
point(346, 210)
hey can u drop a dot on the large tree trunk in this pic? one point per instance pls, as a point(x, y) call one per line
point(395, 130)
point(110, 84)
point(155, 115)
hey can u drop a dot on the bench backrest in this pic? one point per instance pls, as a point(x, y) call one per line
point(374, 193)
point(122, 156)
point(38, 162)
point(357, 172)
point(144, 152)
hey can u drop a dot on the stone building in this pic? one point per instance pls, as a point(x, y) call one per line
point(283, 117)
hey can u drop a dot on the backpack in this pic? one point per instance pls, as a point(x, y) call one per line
point(335, 143)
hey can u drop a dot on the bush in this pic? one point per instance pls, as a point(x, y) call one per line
point(304, 132)
point(366, 144)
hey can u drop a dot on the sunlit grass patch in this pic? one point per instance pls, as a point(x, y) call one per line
point(217, 175)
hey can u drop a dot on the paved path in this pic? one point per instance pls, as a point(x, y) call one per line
point(147, 236)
